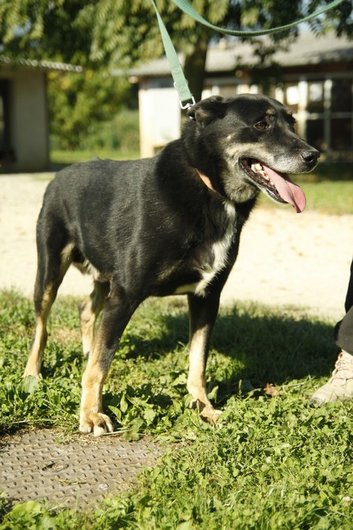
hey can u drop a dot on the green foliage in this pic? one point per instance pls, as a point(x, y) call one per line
point(105, 34)
point(121, 133)
point(79, 103)
point(57, 30)
point(115, 30)
point(271, 463)
point(33, 515)
point(119, 33)
point(146, 388)
point(107, 31)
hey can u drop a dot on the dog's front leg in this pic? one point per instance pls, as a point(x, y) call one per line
point(202, 316)
point(116, 314)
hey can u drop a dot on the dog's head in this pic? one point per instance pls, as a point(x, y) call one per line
point(248, 143)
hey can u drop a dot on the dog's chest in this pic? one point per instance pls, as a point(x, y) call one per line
point(218, 257)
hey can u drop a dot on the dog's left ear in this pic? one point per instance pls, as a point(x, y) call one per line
point(207, 110)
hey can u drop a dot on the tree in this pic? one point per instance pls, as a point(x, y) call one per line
point(117, 33)
point(78, 102)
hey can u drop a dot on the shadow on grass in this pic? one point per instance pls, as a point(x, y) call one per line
point(250, 342)
point(266, 345)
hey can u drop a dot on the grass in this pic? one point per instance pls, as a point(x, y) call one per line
point(271, 462)
point(328, 197)
point(61, 158)
point(329, 189)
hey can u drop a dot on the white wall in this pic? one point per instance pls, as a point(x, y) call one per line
point(28, 118)
point(159, 114)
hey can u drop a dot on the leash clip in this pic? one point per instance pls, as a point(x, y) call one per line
point(189, 103)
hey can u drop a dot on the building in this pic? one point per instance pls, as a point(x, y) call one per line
point(24, 124)
point(314, 77)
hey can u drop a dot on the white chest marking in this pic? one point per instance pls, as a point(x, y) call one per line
point(220, 252)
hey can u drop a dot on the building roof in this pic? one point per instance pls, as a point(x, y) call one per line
point(307, 49)
point(42, 65)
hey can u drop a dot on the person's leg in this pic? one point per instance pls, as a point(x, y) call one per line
point(349, 296)
point(340, 385)
point(344, 333)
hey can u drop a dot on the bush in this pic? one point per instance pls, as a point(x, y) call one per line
point(121, 133)
point(81, 105)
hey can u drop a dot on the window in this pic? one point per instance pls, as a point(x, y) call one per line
point(341, 134)
point(5, 147)
point(341, 95)
point(315, 134)
point(329, 115)
point(315, 96)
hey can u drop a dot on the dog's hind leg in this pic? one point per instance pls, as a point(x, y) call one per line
point(89, 311)
point(202, 316)
point(117, 311)
point(54, 258)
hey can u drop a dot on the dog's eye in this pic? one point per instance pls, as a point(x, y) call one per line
point(263, 125)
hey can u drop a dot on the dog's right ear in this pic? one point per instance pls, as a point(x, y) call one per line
point(207, 110)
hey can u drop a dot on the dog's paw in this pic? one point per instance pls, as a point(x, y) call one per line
point(96, 422)
point(31, 375)
point(31, 372)
point(30, 383)
point(206, 411)
point(210, 414)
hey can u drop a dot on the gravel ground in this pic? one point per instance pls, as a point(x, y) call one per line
point(285, 258)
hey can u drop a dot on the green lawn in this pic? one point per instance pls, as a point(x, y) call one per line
point(62, 158)
point(271, 462)
point(329, 197)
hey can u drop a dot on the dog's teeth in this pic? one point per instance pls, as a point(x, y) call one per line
point(256, 167)
point(263, 174)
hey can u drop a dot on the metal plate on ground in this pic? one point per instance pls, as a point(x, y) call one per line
point(74, 471)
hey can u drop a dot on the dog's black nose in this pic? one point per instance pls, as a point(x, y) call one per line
point(310, 156)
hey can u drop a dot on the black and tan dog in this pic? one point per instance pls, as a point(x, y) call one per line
point(161, 226)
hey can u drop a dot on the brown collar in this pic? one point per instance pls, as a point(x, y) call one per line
point(206, 180)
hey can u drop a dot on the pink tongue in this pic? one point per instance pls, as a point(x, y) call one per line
point(287, 190)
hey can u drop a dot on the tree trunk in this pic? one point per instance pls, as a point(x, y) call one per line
point(195, 65)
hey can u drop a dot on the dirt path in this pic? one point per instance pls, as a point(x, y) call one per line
point(284, 258)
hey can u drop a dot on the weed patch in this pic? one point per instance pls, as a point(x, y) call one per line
point(270, 463)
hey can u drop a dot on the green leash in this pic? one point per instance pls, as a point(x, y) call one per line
point(189, 10)
point(180, 82)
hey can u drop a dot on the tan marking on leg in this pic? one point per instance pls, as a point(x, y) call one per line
point(66, 259)
point(87, 319)
point(196, 380)
point(91, 410)
point(35, 357)
point(89, 313)
point(196, 383)
point(34, 361)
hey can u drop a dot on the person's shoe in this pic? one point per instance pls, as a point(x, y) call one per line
point(340, 385)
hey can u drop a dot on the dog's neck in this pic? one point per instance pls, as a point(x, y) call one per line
point(206, 180)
